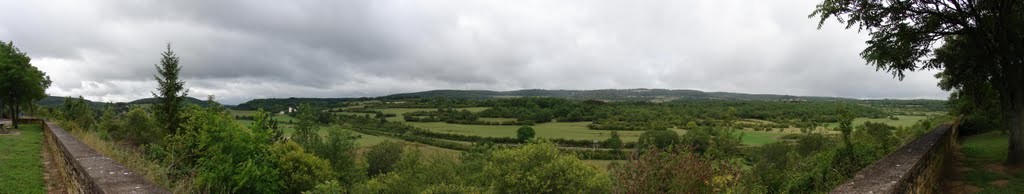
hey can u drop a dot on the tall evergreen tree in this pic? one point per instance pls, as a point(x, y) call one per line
point(171, 93)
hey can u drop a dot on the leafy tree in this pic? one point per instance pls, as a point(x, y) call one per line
point(614, 142)
point(382, 157)
point(139, 128)
point(171, 92)
point(980, 47)
point(306, 132)
point(20, 82)
point(525, 133)
point(340, 149)
point(109, 121)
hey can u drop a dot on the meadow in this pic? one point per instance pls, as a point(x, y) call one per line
point(983, 155)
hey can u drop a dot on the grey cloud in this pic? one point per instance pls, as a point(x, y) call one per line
point(238, 50)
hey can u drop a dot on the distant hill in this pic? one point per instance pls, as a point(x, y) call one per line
point(657, 95)
point(192, 100)
point(280, 104)
point(55, 101)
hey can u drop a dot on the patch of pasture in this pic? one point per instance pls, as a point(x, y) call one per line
point(903, 121)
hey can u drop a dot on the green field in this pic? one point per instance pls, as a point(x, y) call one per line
point(399, 111)
point(761, 137)
point(21, 166)
point(904, 121)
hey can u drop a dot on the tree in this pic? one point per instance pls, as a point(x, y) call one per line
point(981, 46)
point(525, 133)
point(263, 124)
point(306, 132)
point(382, 157)
point(614, 142)
point(171, 93)
point(20, 82)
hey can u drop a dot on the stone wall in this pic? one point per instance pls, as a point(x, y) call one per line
point(83, 170)
point(915, 168)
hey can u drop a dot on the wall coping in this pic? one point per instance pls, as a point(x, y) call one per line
point(892, 173)
point(104, 175)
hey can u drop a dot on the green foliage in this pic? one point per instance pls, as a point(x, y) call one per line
point(263, 124)
point(171, 92)
point(978, 52)
point(715, 142)
point(541, 168)
point(139, 127)
point(224, 156)
point(306, 130)
point(878, 135)
point(20, 82)
point(382, 157)
point(329, 187)
point(525, 133)
point(300, 171)
point(658, 139)
point(340, 149)
point(674, 170)
point(614, 142)
point(417, 173)
point(78, 112)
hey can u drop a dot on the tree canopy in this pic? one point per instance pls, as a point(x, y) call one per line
point(20, 82)
point(977, 44)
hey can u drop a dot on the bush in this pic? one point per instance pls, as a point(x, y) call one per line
point(658, 139)
point(541, 168)
point(139, 128)
point(674, 170)
point(382, 157)
point(300, 171)
point(525, 133)
point(224, 157)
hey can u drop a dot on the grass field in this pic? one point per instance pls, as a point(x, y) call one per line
point(984, 154)
point(757, 138)
point(21, 166)
point(399, 111)
point(904, 121)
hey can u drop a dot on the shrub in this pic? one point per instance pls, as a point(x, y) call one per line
point(525, 133)
point(674, 170)
point(658, 138)
point(541, 168)
point(300, 171)
point(382, 157)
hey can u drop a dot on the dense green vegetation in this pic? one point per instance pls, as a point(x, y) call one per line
point(21, 166)
point(974, 43)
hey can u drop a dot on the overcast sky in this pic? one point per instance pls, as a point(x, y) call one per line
point(240, 50)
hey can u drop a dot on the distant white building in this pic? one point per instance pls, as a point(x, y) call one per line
point(290, 110)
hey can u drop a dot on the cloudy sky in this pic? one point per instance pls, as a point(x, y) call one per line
point(245, 49)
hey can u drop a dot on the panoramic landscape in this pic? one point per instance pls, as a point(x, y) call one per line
point(801, 96)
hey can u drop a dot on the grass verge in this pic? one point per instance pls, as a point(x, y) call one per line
point(21, 166)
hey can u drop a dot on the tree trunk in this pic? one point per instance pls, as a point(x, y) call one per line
point(14, 113)
point(1013, 117)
